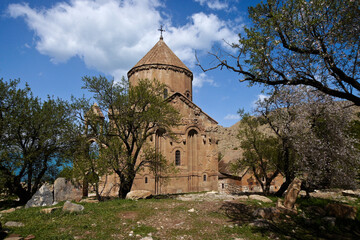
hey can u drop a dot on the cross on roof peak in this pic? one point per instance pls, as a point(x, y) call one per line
point(161, 31)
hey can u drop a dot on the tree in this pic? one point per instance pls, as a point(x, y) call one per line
point(313, 129)
point(87, 166)
point(36, 138)
point(299, 42)
point(262, 152)
point(278, 111)
point(354, 132)
point(134, 114)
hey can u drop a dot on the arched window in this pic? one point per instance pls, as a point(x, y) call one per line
point(146, 180)
point(204, 177)
point(165, 93)
point(94, 150)
point(177, 158)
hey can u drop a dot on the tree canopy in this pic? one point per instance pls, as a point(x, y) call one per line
point(262, 151)
point(132, 115)
point(36, 138)
point(300, 42)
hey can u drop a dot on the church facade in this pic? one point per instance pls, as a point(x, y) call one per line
point(193, 151)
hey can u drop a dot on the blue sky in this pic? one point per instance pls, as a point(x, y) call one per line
point(52, 44)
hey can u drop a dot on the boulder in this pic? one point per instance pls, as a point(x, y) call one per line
point(292, 193)
point(72, 207)
point(14, 224)
point(43, 197)
point(138, 194)
point(260, 198)
point(339, 210)
point(65, 190)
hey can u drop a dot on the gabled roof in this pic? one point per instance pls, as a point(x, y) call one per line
point(160, 54)
point(190, 104)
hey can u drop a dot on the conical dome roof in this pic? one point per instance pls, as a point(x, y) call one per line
point(160, 54)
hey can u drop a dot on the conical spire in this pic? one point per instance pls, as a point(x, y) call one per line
point(160, 54)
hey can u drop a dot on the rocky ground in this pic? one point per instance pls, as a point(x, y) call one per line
point(188, 216)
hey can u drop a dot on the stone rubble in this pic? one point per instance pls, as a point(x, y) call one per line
point(191, 210)
point(14, 237)
point(212, 196)
point(14, 224)
point(260, 198)
point(49, 210)
point(10, 210)
point(351, 193)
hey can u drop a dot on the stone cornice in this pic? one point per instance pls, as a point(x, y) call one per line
point(160, 67)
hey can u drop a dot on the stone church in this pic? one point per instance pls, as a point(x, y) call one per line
point(194, 151)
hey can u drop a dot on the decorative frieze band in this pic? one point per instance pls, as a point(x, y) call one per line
point(162, 67)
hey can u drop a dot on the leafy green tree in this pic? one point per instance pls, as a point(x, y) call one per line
point(88, 166)
point(36, 138)
point(262, 151)
point(300, 42)
point(133, 115)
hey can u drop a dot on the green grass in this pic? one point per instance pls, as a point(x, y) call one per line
point(169, 219)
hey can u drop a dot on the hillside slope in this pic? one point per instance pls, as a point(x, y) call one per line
point(227, 138)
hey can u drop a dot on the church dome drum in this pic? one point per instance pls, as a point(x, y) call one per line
point(162, 64)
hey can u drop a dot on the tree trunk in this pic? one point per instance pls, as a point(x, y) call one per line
point(23, 194)
point(15, 187)
point(85, 187)
point(98, 195)
point(125, 187)
point(289, 175)
point(266, 189)
point(126, 183)
point(283, 187)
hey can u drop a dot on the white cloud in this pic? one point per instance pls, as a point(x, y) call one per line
point(260, 98)
point(112, 35)
point(200, 79)
point(201, 33)
point(232, 117)
point(213, 4)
